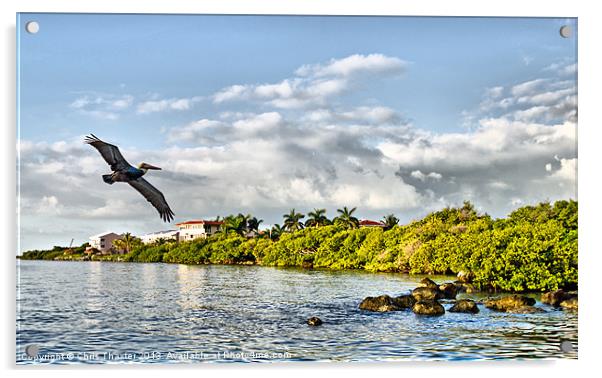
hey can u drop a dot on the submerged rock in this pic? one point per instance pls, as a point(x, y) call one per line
point(465, 305)
point(509, 302)
point(525, 310)
point(570, 304)
point(426, 293)
point(554, 298)
point(381, 303)
point(427, 282)
point(426, 307)
point(404, 301)
point(314, 321)
point(449, 290)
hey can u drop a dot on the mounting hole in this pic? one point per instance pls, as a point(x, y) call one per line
point(566, 31)
point(32, 350)
point(566, 346)
point(32, 27)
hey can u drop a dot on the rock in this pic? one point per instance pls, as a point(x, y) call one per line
point(470, 288)
point(404, 301)
point(466, 287)
point(314, 321)
point(449, 290)
point(426, 293)
point(431, 308)
point(509, 302)
point(465, 305)
point(524, 310)
point(307, 265)
point(381, 303)
point(570, 304)
point(427, 282)
point(465, 277)
point(554, 298)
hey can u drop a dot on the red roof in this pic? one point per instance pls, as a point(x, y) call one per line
point(367, 222)
point(214, 223)
point(210, 223)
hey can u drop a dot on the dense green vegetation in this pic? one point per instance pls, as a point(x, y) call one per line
point(533, 249)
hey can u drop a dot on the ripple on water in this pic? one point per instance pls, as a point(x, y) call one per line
point(142, 312)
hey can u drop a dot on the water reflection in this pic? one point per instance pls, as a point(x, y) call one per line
point(157, 312)
point(93, 295)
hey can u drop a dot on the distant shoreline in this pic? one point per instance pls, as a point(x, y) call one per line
point(539, 242)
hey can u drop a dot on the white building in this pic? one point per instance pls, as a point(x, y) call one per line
point(104, 242)
point(195, 229)
point(155, 236)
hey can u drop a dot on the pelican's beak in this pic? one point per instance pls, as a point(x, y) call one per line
point(148, 166)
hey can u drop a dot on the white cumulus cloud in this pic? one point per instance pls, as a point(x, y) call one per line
point(314, 84)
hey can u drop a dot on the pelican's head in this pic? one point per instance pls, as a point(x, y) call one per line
point(146, 167)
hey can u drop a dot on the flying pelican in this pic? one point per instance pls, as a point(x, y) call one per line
point(124, 172)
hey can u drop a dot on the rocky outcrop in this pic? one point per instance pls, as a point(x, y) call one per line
point(431, 308)
point(570, 304)
point(467, 288)
point(448, 290)
point(427, 282)
point(314, 321)
point(426, 294)
point(404, 301)
point(386, 303)
point(427, 299)
point(465, 305)
point(381, 303)
point(509, 302)
point(465, 277)
point(554, 298)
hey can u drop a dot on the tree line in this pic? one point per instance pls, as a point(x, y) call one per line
point(533, 249)
point(293, 221)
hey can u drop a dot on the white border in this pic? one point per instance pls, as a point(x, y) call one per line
point(589, 173)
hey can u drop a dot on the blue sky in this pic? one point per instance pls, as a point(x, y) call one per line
point(144, 82)
point(452, 60)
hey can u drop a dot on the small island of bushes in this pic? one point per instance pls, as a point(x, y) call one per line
point(533, 249)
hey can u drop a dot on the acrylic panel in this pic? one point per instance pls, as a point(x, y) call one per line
point(222, 188)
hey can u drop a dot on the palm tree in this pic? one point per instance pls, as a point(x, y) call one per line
point(244, 219)
point(292, 221)
point(234, 223)
point(276, 231)
point(127, 242)
point(160, 241)
point(119, 245)
point(253, 224)
point(390, 221)
point(346, 218)
point(317, 218)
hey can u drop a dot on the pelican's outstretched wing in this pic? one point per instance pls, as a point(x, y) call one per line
point(109, 152)
point(154, 196)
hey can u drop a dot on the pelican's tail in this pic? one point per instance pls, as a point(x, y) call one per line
point(108, 179)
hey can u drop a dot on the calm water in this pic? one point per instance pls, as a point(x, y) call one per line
point(93, 312)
